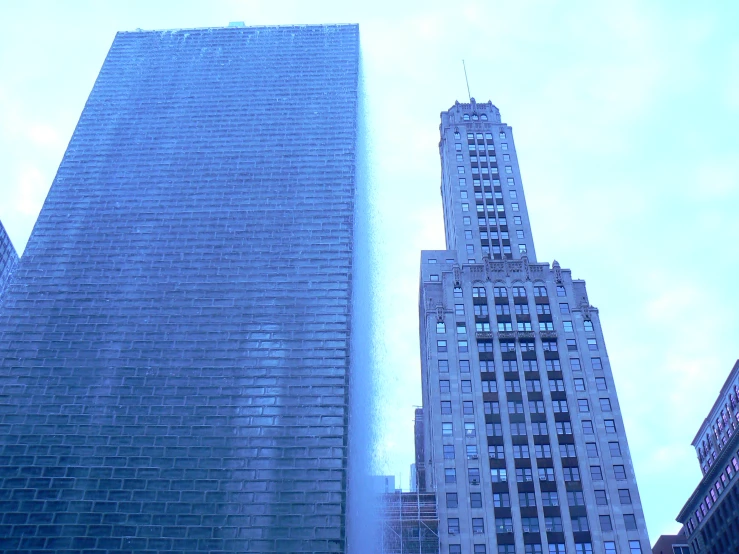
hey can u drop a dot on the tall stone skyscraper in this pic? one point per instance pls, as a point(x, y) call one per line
point(524, 439)
point(174, 343)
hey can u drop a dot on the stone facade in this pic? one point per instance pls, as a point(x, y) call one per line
point(711, 514)
point(174, 346)
point(524, 439)
point(8, 258)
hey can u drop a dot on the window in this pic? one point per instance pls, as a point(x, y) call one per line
point(494, 429)
point(459, 309)
point(619, 472)
point(543, 309)
point(575, 364)
point(571, 473)
point(583, 548)
point(434, 277)
point(549, 498)
point(561, 291)
point(460, 169)
point(572, 345)
point(582, 405)
point(635, 547)
point(605, 404)
point(549, 345)
point(492, 407)
point(624, 496)
point(455, 549)
point(556, 384)
point(518, 429)
point(478, 292)
point(444, 386)
point(527, 499)
point(536, 407)
point(467, 233)
point(600, 383)
point(580, 524)
point(553, 524)
point(500, 292)
point(450, 475)
point(567, 450)
point(512, 194)
point(568, 326)
point(443, 366)
point(507, 346)
point(465, 207)
point(600, 498)
point(475, 500)
point(453, 525)
point(519, 292)
point(502, 309)
point(543, 450)
point(440, 327)
point(533, 385)
point(441, 346)
point(519, 235)
point(463, 346)
point(605, 523)
point(498, 475)
point(522, 309)
point(610, 547)
point(530, 525)
point(489, 386)
point(477, 525)
point(513, 386)
point(557, 548)
point(579, 385)
point(446, 407)
point(540, 291)
point(469, 430)
point(588, 326)
point(480, 548)
point(596, 363)
point(467, 407)
point(523, 474)
point(610, 425)
point(506, 549)
point(614, 448)
point(592, 449)
point(587, 427)
point(592, 344)
point(630, 522)
point(546, 474)
point(501, 500)
point(466, 220)
point(508, 169)
point(596, 473)
point(446, 429)
point(575, 498)
point(464, 367)
point(564, 307)
point(514, 207)
point(510, 365)
point(520, 451)
point(559, 406)
point(451, 500)
point(563, 427)
point(517, 220)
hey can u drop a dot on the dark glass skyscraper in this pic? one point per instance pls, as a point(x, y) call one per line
point(524, 440)
point(174, 343)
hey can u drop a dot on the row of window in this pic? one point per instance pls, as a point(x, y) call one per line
point(719, 486)
point(554, 548)
point(463, 345)
point(511, 366)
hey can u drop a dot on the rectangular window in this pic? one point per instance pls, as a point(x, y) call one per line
point(605, 404)
point(596, 473)
point(463, 346)
point(440, 327)
point(465, 207)
point(501, 500)
point(446, 407)
point(498, 475)
point(448, 452)
point(587, 427)
point(478, 526)
point(610, 425)
point(583, 406)
point(441, 346)
point(630, 522)
point(446, 429)
point(624, 496)
point(596, 363)
point(575, 364)
point(615, 448)
point(460, 169)
point(610, 547)
point(564, 307)
point(572, 345)
point(579, 384)
point(568, 326)
point(444, 386)
point(443, 366)
point(543, 450)
point(588, 325)
point(549, 498)
point(600, 498)
point(475, 500)
point(634, 547)
point(468, 408)
point(450, 475)
point(605, 523)
point(600, 383)
point(451, 500)
point(619, 472)
point(592, 449)
point(592, 344)
point(464, 366)
point(459, 309)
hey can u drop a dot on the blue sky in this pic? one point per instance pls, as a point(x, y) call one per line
point(625, 117)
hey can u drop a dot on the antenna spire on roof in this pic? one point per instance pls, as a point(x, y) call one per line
point(469, 95)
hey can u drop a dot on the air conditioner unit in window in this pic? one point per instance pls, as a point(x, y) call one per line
point(474, 481)
point(473, 457)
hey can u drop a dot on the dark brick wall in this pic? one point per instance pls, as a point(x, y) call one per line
point(174, 346)
point(8, 258)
